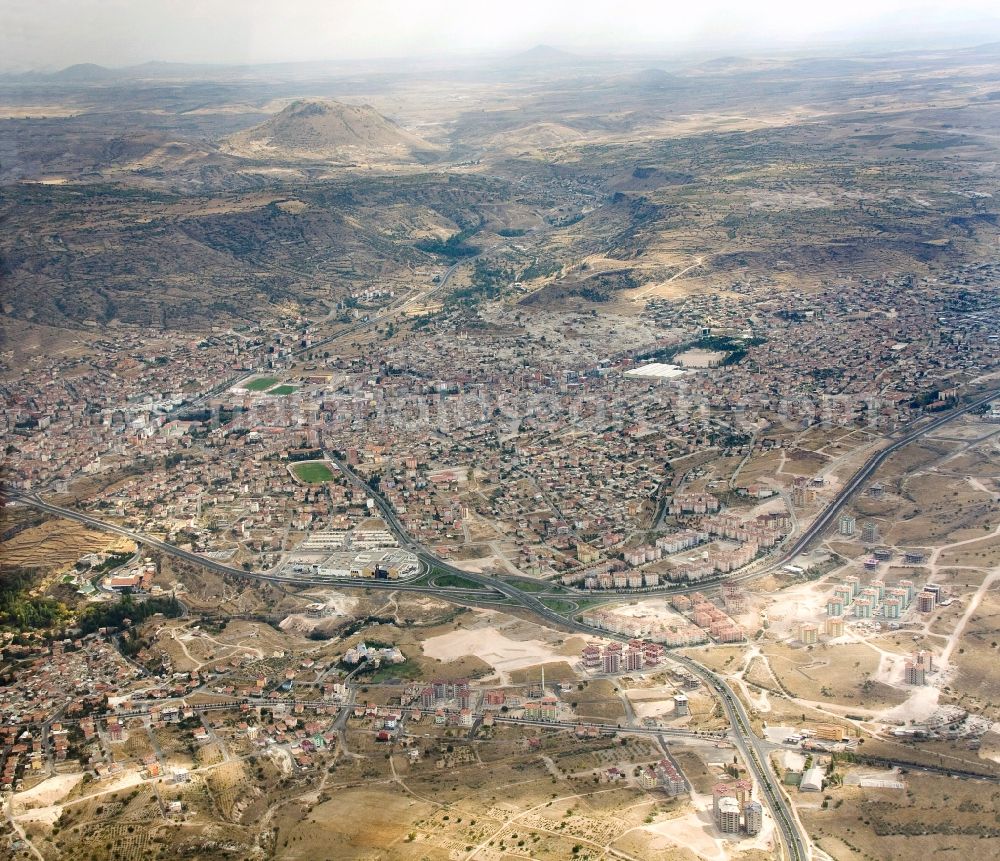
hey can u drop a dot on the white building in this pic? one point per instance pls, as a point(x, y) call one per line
point(728, 815)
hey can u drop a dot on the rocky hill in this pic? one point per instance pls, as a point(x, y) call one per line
point(329, 130)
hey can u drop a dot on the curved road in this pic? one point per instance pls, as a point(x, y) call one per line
point(874, 462)
point(793, 838)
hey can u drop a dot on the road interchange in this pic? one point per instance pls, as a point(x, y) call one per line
point(755, 754)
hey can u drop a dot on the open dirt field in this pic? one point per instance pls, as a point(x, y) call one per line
point(492, 644)
point(936, 818)
point(843, 674)
point(598, 700)
point(488, 643)
point(50, 791)
point(975, 658)
point(983, 553)
point(654, 701)
point(359, 823)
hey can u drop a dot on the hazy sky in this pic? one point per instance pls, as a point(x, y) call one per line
point(57, 33)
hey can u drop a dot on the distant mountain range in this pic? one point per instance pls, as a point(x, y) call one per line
point(93, 73)
point(539, 56)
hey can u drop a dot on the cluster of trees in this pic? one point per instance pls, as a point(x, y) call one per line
point(113, 561)
point(113, 615)
point(924, 399)
point(736, 348)
point(540, 269)
point(21, 611)
point(454, 247)
point(305, 454)
point(932, 401)
point(487, 282)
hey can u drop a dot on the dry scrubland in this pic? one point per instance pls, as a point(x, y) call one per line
point(976, 658)
point(935, 817)
point(670, 183)
point(841, 674)
point(457, 813)
point(434, 814)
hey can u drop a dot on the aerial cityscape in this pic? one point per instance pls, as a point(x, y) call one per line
point(546, 440)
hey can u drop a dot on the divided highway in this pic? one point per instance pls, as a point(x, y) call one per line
point(793, 838)
point(827, 515)
point(747, 743)
point(35, 501)
point(754, 755)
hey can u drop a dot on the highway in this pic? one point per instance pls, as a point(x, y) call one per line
point(35, 501)
point(826, 516)
point(755, 755)
point(793, 838)
point(748, 744)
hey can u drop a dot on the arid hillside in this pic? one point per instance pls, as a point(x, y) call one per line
point(200, 200)
point(325, 129)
